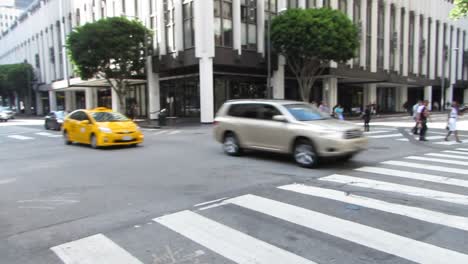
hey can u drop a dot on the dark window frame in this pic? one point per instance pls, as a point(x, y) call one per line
point(249, 8)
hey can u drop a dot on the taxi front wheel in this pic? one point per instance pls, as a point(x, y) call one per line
point(93, 141)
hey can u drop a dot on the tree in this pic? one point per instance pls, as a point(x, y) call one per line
point(460, 10)
point(112, 49)
point(309, 39)
point(15, 81)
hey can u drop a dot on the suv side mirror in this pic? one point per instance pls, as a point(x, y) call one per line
point(280, 118)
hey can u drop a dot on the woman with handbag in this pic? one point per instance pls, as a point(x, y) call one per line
point(452, 122)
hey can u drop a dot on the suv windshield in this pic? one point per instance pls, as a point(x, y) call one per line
point(109, 117)
point(60, 114)
point(305, 112)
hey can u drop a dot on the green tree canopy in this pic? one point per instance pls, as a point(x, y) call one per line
point(111, 48)
point(460, 10)
point(15, 80)
point(311, 38)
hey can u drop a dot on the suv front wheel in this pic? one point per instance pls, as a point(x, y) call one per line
point(231, 145)
point(304, 154)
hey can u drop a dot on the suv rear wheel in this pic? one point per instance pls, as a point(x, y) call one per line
point(231, 145)
point(304, 154)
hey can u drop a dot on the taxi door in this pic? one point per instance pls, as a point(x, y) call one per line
point(84, 128)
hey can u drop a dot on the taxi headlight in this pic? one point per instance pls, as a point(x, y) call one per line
point(105, 130)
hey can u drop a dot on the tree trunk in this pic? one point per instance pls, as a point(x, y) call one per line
point(27, 104)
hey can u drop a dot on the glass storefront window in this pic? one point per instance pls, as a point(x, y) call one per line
point(181, 97)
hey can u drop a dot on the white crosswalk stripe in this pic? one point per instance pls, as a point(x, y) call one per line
point(456, 152)
point(462, 149)
point(397, 188)
point(404, 210)
point(240, 247)
point(425, 166)
point(47, 134)
point(454, 162)
point(371, 237)
point(94, 249)
point(415, 176)
point(226, 241)
point(19, 137)
point(386, 136)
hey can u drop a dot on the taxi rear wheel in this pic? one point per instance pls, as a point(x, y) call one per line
point(93, 141)
point(66, 138)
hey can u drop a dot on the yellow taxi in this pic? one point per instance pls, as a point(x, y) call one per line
point(100, 127)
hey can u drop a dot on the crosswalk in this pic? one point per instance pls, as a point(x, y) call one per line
point(430, 185)
point(434, 137)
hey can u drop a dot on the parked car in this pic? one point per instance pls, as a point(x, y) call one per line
point(3, 117)
point(8, 111)
point(288, 127)
point(54, 120)
point(100, 127)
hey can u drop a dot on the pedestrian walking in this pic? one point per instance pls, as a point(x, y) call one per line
point(339, 112)
point(324, 108)
point(423, 115)
point(452, 122)
point(415, 117)
point(367, 117)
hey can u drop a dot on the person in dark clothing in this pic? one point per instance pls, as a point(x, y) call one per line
point(423, 114)
point(367, 117)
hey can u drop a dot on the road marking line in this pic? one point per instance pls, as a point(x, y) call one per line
point(415, 176)
point(397, 188)
point(94, 249)
point(454, 162)
point(6, 181)
point(447, 156)
point(377, 132)
point(425, 166)
point(399, 209)
point(435, 137)
point(210, 202)
point(456, 152)
point(402, 139)
point(159, 133)
point(227, 242)
point(450, 143)
point(46, 134)
point(462, 149)
point(20, 137)
point(377, 239)
point(174, 132)
point(386, 136)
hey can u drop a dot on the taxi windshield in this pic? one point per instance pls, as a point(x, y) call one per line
point(109, 117)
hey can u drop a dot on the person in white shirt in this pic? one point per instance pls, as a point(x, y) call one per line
point(452, 122)
point(415, 116)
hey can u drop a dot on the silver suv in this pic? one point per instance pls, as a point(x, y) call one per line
point(287, 127)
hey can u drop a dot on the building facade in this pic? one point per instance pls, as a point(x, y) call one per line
point(8, 15)
point(409, 50)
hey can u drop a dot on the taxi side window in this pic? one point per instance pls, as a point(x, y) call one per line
point(76, 116)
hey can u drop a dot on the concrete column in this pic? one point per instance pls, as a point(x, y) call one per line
point(261, 25)
point(465, 96)
point(374, 37)
point(334, 4)
point(97, 10)
point(236, 17)
point(278, 79)
point(397, 30)
point(387, 36)
point(417, 40)
point(57, 52)
point(162, 29)
point(115, 101)
point(370, 94)
point(428, 95)
point(302, 3)
point(330, 91)
point(52, 101)
point(69, 102)
point(206, 90)
point(349, 12)
point(91, 98)
point(154, 94)
point(441, 51)
point(39, 105)
point(432, 59)
point(405, 43)
point(363, 33)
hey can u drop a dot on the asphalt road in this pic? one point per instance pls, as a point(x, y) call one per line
point(179, 199)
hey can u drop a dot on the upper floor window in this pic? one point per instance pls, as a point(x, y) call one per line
point(293, 3)
point(368, 33)
point(249, 24)
point(223, 22)
point(123, 6)
point(393, 37)
point(343, 6)
point(271, 6)
point(188, 24)
point(411, 43)
point(78, 17)
point(327, 3)
point(137, 8)
point(311, 3)
point(170, 25)
point(380, 35)
point(358, 22)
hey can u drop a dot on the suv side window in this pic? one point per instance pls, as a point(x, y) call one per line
point(244, 110)
point(267, 112)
